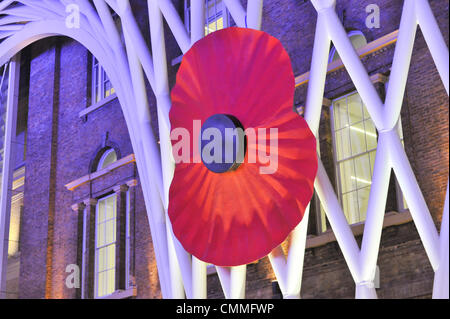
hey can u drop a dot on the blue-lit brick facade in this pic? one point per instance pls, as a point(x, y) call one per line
point(62, 147)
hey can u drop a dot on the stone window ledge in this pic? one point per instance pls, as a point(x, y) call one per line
point(97, 105)
point(390, 219)
point(369, 48)
point(89, 177)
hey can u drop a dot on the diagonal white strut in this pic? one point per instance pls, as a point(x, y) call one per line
point(127, 64)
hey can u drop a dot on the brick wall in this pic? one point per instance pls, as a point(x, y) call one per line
point(63, 151)
point(38, 213)
point(59, 154)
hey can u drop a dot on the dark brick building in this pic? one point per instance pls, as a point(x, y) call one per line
point(78, 154)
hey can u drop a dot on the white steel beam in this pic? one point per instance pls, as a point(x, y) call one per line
point(373, 225)
point(99, 35)
point(161, 90)
point(176, 25)
point(435, 40)
point(4, 4)
point(414, 197)
point(295, 258)
point(232, 280)
point(147, 138)
point(176, 278)
point(135, 34)
point(199, 271)
point(199, 278)
point(441, 279)
point(318, 73)
point(400, 65)
point(354, 66)
point(197, 20)
point(237, 12)
point(254, 14)
point(338, 222)
point(277, 259)
point(8, 167)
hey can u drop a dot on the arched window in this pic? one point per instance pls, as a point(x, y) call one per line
point(358, 41)
point(108, 157)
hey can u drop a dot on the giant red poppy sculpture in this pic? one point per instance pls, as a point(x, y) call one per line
point(233, 207)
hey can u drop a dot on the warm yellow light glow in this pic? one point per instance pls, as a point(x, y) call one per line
point(214, 26)
point(14, 228)
point(361, 180)
point(106, 246)
point(357, 129)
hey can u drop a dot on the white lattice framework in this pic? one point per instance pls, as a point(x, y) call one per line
point(128, 64)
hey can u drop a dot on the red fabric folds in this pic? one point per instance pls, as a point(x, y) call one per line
point(238, 217)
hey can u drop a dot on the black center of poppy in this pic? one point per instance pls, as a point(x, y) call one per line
point(222, 143)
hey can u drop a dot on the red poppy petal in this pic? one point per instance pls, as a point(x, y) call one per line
point(237, 217)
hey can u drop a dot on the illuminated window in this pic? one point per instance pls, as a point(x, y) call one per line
point(355, 144)
point(358, 41)
point(109, 157)
point(217, 16)
point(105, 246)
point(101, 85)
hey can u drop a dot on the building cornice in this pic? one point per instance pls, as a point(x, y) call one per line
point(369, 48)
point(90, 177)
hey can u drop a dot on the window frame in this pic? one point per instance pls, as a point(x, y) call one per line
point(225, 14)
point(401, 204)
point(128, 283)
point(337, 162)
point(96, 272)
point(102, 76)
point(103, 158)
point(98, 80)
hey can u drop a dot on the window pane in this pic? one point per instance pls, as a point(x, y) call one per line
point(323, 218)
point(350, 206)
point(111, 282)
point(340, 114)
point(101, 85)
point(355, 140)
point(100, 234)
point(214, 16)
point(366, 113)
point(109, 157)
point(354, 108)
point(107, 86)
point(343, 143)
point(101, 259)
point(358, 138)
point(111, 207)
point(101, 284)
point(363, 200)
point(347, 170)
point(371, 134)
point(363, 171)
point(96, 82)
point(372, 161)
point(110, 231)
point(101, 211)
point(111, 263)
point(358, 41)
